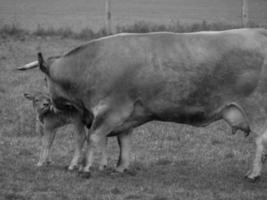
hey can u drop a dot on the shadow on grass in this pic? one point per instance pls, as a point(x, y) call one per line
point(213, 175)
point(224, 176)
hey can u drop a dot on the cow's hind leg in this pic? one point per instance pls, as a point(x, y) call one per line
point(259, 158)
point(124, 141)
point(236, 117)
point(107, 118)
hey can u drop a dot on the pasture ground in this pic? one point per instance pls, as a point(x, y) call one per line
point(30, 14)
point(168, 161)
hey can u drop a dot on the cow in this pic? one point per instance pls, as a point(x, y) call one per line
point(129, 79)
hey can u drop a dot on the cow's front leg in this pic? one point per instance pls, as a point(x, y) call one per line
point(259, 158)
point(47, 139)
point(124, 141)
point(80, 135)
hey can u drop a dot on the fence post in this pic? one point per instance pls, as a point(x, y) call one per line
point(108, 17)
point(244, 13)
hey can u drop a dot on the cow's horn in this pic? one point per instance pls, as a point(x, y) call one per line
point(29, 65)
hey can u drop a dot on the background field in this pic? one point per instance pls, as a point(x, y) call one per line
point(169, 161)
point(90, 13)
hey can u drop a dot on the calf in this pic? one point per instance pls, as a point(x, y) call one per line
point(49, 119)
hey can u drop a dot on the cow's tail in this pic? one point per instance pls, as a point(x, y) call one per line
point(30, 65)
point(40, 62)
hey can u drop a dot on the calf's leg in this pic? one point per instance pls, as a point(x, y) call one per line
point(104, 155)
point(80, 135)
point(47, 139)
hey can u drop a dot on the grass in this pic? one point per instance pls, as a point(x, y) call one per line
point(31, 13)
point(169, 161)
point(14, 30)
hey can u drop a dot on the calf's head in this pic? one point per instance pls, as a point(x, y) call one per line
point(41, 102)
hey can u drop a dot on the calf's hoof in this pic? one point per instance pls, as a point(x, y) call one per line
point(46, 163)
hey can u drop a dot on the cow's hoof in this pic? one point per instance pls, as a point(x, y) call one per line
point(72, 168)
point(252, 179)
point(102, 167)
point(86, 175)
point(125, 171)
point(39, 164)
point(121, 169)
point(49, 162)
point(130, 172)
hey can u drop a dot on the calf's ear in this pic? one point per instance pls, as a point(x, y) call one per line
point(28, 96)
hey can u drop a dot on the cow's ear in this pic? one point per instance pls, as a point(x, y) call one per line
point(28, 96)
point(42, 64)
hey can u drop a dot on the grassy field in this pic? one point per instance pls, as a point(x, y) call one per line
point(169, 161)
point(83, 13)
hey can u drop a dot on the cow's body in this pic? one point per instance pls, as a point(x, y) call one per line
point(194, 78)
